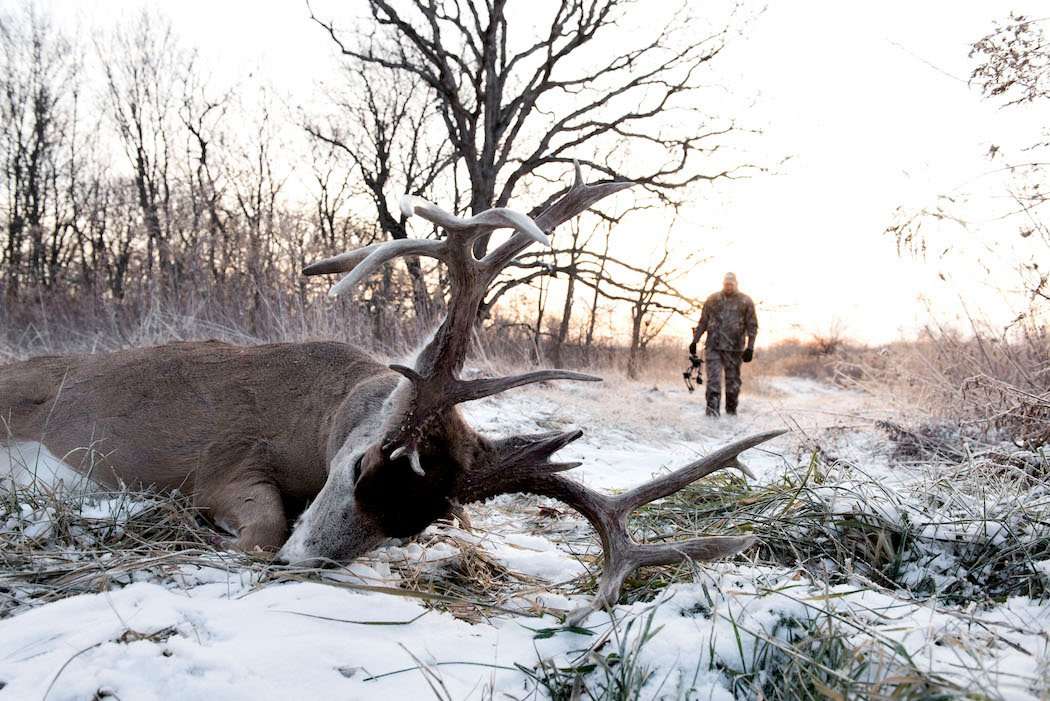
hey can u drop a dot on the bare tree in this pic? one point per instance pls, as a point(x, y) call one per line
point(592, 319)
point(104, 257)
point(1013, 61)
point(38, 88)
point(142, 65)
point(256, 184)
point(511, 108)
point(650, 292)
point(569, 262)
point(1013, 68)
point(334, 190)
point(114, 232)
point(201, 114)
point(384, 128)
point(656, 301)
point(574, 251)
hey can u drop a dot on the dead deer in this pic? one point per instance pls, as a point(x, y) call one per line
point(253, 434)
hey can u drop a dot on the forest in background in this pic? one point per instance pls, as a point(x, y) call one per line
point(140, 197)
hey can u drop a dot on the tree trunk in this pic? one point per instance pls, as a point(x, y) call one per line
point(541, 308)
point(636, 338)
point(566, 316)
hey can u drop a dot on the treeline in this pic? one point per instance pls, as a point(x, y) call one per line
point(132, 185)
point(126, 176)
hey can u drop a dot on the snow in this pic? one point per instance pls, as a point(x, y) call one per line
point(26, 463)
point(212, 631)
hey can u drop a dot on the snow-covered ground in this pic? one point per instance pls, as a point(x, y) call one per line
point(212, 631)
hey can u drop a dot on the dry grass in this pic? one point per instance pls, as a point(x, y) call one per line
point(974, 532)
point(51, 324)
point(56, 543)
point(997, 386)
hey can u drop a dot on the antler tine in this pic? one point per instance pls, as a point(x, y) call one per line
point(576, 200)
point(460, 391)
point(679, 479)
point(476, 389)
point(465, 231)
point(608, 515)
point(342, 262)
point(364, 261)
point(513, 463)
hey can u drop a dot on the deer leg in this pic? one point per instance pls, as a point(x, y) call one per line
point(249, 508)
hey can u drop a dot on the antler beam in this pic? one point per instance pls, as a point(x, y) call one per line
point(461, 391)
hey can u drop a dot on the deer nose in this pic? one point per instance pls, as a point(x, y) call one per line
point(305, 563)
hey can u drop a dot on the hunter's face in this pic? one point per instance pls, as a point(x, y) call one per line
point(729, 287)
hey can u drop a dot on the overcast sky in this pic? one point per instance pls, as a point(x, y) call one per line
point(867, 101)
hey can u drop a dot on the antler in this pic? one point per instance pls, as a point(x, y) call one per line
point(434, 380)
point(522, 464)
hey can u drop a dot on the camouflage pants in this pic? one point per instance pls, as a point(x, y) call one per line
point(719, 362)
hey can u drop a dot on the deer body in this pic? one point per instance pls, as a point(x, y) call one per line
point(248, 432)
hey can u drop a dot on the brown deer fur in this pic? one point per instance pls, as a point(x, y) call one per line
point(247, 432)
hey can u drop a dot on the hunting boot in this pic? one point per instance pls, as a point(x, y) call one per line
point(713, 400)
point(731, 401)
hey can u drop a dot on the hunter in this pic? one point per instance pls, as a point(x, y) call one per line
point(728, 318)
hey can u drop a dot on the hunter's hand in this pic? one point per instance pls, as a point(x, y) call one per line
point(692, 350)
point(749, 355)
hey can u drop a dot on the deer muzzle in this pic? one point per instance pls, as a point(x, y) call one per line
point(334, 530)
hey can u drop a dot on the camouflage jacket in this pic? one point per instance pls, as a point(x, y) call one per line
point(727, 320)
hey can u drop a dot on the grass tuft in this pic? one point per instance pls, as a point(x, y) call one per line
point(964, 533)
